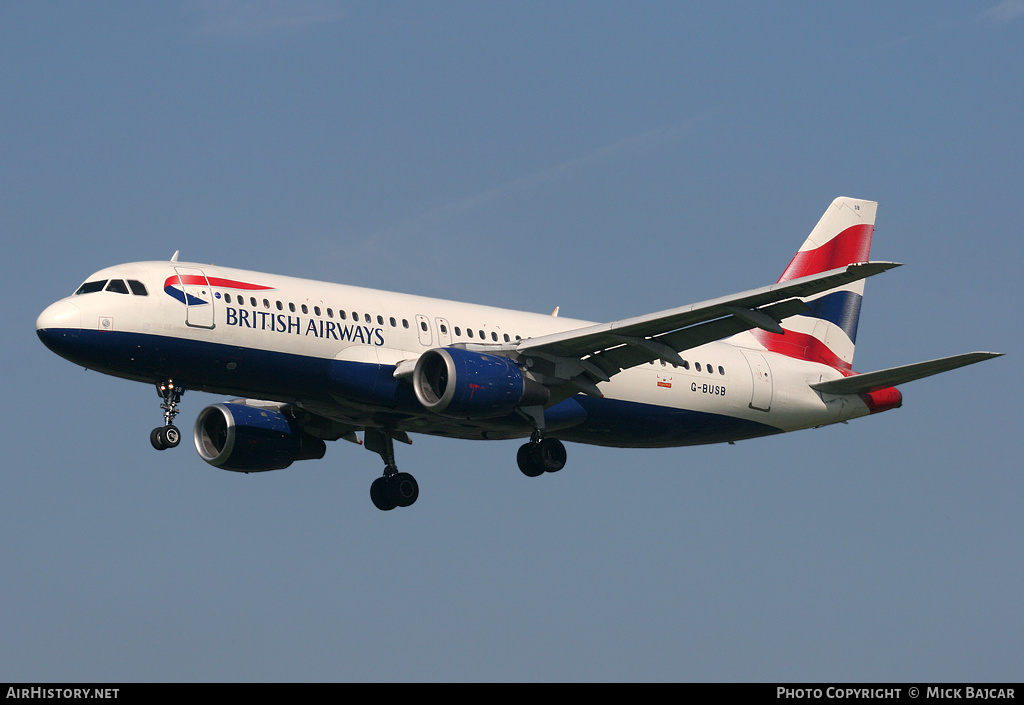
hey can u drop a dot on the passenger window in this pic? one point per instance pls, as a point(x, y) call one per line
point(405, 323)
point(469, 332)
point(458, 331)
point(117, 286)
point(506, 338)
point(280, 306)
point(91, 287)
point(380, 320)
point(697, 366)
point(227, 298)
point(342, 315)
point(316, 310)
point(393, 322)
point(423, 325)
point(444, 329)
point(305, 308)
point(266, 303)
point(252, 301)
point(137, 287)
point(367, 318)
point(721, 370)
point(494, 336)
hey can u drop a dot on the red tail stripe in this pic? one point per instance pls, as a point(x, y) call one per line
point(851, 245)
point(802, 347)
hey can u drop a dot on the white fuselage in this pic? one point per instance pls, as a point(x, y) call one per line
point(294, 340)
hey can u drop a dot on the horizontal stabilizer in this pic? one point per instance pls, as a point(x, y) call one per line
point(873, 381)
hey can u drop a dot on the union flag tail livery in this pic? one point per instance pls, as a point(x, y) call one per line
point(827, 332)
point(316, 362)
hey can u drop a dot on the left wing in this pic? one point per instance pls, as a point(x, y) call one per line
point(583, 357)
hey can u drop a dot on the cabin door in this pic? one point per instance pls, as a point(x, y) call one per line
point(198, 297)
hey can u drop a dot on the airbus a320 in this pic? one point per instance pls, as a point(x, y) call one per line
point(312, 362)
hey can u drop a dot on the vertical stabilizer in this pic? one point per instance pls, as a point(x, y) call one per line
point(828, 331)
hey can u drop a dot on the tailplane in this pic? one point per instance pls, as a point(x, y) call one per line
point(827, 332)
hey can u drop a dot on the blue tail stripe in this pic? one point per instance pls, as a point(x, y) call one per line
point(839, 307)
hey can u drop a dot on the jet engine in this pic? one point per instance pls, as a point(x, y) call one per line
point(463, 384)
point(252, 439)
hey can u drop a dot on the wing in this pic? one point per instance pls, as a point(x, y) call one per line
point(583, 357)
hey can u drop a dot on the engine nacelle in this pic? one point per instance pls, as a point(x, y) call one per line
point(252, 439)
point(462, 384)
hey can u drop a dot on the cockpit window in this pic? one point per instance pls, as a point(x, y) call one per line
point(117, 286)
point(137, 287)
point(90, 287)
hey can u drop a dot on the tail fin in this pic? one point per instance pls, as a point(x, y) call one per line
point(828, 331)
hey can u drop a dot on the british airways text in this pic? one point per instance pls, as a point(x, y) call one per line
point(281, 323)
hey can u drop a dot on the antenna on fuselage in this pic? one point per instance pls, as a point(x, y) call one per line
point(555, 312)
point(174, 257)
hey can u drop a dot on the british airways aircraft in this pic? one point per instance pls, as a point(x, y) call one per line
point(316, 362)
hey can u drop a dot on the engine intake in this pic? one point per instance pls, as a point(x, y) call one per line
point(462, 384)
point(250, 439)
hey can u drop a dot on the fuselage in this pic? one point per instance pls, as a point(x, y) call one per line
point(335, 349)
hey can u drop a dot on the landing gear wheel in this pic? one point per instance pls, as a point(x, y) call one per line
point(527, 462)
point(156, 437)
point(404, 489)
point(552, 454)
point(538, 457)
point(390, 491)
point(171, 436)
point(165, 437)
point(380, 496)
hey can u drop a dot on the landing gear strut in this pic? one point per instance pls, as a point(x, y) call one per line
point(167, 436)
point(394, 488)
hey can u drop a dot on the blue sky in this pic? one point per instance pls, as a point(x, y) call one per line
point(609, 158)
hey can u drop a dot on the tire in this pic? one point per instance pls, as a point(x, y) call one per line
point(528, 460)
point(380, 496)
point(551, 454)
point(156, 437)
point(404, 489)
point(171, 436)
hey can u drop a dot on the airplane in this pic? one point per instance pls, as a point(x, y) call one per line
point(312, 362)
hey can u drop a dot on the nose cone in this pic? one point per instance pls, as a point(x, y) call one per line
point(57, 324)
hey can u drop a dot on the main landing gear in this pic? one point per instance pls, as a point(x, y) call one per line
point(168, 435)
point(394, 488)
point(541, 455)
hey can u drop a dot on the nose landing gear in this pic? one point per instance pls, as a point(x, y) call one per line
point(167, 436)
